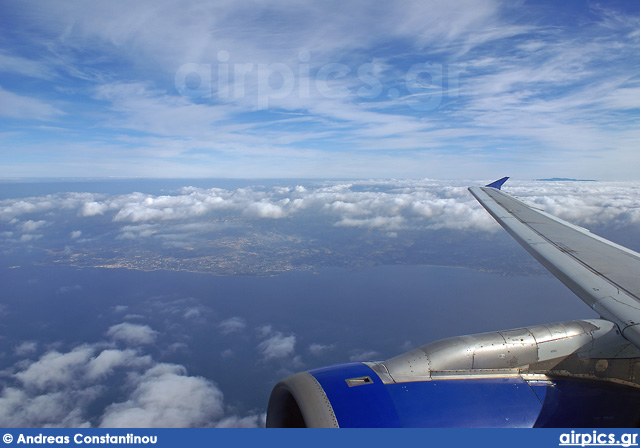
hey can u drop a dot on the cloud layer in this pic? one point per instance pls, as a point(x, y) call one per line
point(65, 388)
point(376, 205)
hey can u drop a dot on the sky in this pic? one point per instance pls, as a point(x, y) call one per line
point(297, 89)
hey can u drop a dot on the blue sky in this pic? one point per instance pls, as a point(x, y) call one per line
point(441, 89)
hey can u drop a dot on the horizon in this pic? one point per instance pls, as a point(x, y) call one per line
point(337, 179)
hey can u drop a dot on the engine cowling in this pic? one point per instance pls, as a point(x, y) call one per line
point(572, 374)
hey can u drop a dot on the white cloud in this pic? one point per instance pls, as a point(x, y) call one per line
point(253, 421)
point(142, 28)
point(54, 369)
point(138, 106)
point(389, 206)
point(364, 355)
point(189, 203)
point(264, 210)
point(379, 222)
point(275, 344)
point(20, 408)
point(75, 234)
point(104, 364)
point(24, 66)
point(137, 231)
point(12, 208)
point(192, 313)
point(319, 349)
point(164, 396)
point(583, 203)
point(232, 325)
point(132, 334)
point(74, 389)
point(30, 226)
point(28, 237)
point(17, 106)
point(93, 208)
point(26, 348)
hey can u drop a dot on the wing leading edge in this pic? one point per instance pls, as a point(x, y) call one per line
point(605, 275)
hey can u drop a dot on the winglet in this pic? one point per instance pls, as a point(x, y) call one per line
point(497, 184)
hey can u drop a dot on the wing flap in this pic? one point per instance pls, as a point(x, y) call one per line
point(603, 274)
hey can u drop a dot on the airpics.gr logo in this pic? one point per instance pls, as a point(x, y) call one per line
point(423, 86)
point(598, 439)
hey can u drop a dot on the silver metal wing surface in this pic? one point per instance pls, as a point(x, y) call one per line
point(605, 275)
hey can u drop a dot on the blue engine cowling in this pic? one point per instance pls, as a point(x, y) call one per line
point(352, 395)
point(569, 374)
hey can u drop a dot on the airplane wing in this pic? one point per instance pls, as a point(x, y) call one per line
point(606, 276)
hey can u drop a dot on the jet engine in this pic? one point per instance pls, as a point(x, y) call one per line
point(572, 374)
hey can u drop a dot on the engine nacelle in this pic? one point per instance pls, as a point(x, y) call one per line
point(572, 374)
